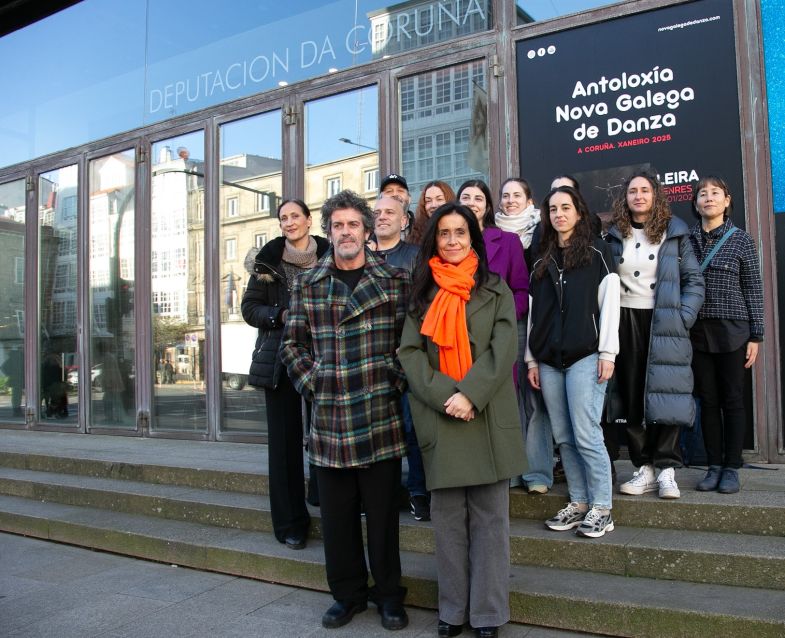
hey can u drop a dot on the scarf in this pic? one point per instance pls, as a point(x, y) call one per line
point(445, 321)
point(301, 258)
point(522, 225)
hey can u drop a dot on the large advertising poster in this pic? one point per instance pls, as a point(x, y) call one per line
point(656, 90)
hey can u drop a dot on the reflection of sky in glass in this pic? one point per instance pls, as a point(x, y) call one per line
point(193, 142)
point(105, 66)
point(546, 9)
point(256, 135)
point(352, 115)
point(774, 47)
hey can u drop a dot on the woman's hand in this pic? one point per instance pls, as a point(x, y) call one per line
point(752, 354)
point(604, 370)
point(534, 377)
point(459, 406)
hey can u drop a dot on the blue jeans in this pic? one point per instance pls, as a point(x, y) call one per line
point(415, 479)
point(574, 400)
point(539, 439)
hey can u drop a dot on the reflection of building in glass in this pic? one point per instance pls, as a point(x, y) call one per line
point(249, 197)
point(359, 174)
point(58, 211)
point(174, 210)
point(437, 137)
point(411, 25)
point(112, 246)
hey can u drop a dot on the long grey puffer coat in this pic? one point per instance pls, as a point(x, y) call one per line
point(678, 296)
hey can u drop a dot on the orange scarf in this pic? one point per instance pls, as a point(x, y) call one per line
point(445, 321)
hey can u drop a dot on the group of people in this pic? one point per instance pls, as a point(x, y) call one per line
point(474, 346)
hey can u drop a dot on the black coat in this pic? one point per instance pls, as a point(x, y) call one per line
point(265, 299)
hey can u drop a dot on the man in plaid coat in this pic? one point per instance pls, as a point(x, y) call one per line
point(342, 332)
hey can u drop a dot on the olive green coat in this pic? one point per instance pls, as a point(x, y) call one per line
point(488, 448)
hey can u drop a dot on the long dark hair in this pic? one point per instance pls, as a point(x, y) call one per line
point(657, 224)
point(489, 219)
point(578, 251)
point(420, 216)
point(422, 277)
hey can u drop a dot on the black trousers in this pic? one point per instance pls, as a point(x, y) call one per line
point(656, 445)
point(285, 457)
point(719, 384)
point(343, 494)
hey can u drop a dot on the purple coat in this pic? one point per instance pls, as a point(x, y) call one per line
point(505, 258)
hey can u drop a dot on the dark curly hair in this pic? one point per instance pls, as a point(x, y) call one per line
point(422, 277)
point(660, 217)
point(346, 199)
point(578, 251)
point(420, 216)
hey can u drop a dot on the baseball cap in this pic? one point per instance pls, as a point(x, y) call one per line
point(393, 178)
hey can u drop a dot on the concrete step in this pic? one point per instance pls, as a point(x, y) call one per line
point(758, 509)
point(729, 559)
point(191, 473)
point(569, 599)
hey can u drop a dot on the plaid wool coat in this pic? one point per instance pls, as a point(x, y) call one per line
point(340, 352)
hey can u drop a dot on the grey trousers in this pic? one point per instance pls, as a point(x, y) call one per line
point(472, 530)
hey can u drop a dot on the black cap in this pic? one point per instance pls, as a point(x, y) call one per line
point(393, 178)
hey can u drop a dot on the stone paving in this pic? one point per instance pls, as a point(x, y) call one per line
point(53, 590)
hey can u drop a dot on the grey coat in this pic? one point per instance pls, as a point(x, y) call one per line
point(678, 296)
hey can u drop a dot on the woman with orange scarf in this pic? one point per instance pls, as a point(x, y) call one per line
point(458, 346)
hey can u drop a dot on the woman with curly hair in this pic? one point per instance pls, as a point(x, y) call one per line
point(661, 294)
point(573, 341)
point(433, 195)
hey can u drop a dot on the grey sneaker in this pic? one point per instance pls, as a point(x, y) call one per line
point(567, 518)
point(595, 524)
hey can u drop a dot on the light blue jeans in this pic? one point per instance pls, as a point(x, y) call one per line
point(574, 400)
point(539, 439)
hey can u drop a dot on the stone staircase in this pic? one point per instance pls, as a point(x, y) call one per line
point(704, 565)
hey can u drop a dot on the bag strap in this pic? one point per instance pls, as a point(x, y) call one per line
point(717, 246)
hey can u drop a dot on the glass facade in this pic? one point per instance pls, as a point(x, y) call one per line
point(185, 135)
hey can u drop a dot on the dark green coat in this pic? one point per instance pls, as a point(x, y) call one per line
point(489, 448)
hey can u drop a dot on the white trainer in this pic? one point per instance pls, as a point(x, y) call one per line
point(641, 482)
point(667, 482)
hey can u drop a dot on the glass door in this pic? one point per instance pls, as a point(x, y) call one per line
point(13, 399)
point(177, 264)
point(59, 375)
point(112, 327)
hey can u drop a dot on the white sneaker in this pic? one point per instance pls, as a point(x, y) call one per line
point(667, 482)
point(641, 482)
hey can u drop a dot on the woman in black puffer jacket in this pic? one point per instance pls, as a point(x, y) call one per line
point(265, 306)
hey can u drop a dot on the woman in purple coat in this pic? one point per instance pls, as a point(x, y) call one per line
point(504, 249)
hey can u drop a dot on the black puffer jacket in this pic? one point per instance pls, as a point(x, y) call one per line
point(265, 299)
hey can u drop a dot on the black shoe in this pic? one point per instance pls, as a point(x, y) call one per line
point(486, 632)
point(393, 616)
point(341, 613)
point(295, 542)
point(445, 629)
point(711, 481)
point(729, 482)
point(420, 507)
